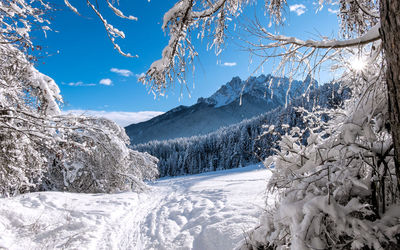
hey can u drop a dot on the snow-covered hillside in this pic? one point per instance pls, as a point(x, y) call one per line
point(205, 211)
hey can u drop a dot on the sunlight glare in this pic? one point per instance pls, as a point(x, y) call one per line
point(357, 63)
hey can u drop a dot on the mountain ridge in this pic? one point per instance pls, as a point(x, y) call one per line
point(231, 103)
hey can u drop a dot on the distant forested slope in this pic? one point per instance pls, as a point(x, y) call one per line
point(239, 144)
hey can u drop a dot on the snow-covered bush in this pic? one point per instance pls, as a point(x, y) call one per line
point(338, 190)
point(21, 164)
point(104, 164)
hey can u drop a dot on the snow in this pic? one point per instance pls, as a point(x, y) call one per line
point(205, 211)
point(119, 13)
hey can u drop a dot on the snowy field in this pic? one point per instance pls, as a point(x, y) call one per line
point(206, 211)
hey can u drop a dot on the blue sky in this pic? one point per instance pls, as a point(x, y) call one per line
point(93, 76)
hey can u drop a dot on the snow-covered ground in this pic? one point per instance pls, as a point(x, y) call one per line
point(206, 211)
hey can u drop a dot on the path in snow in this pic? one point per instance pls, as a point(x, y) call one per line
point(206, 211)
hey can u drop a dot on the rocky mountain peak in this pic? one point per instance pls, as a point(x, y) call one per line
point(263, 86)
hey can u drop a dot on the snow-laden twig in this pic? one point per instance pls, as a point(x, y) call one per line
point(112, 32)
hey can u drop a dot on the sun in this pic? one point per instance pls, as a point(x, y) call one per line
point(357, 63)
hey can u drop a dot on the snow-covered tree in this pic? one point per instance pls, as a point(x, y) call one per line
point(339, 190)
point(35, 138)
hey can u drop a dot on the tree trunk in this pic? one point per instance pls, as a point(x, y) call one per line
point(390, 33)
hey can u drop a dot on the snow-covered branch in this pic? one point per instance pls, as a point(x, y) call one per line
point(112, 32)
point(210, 11)
point(180, 20)
point(369, 37)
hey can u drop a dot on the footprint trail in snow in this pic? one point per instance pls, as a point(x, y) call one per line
point(206, 211)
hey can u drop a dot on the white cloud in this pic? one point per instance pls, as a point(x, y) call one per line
point(79, 83)
point(229, 64)
point(122, 72)
point(121, 118)
point(333, 11)
point(300, 9)
point(106, 81)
